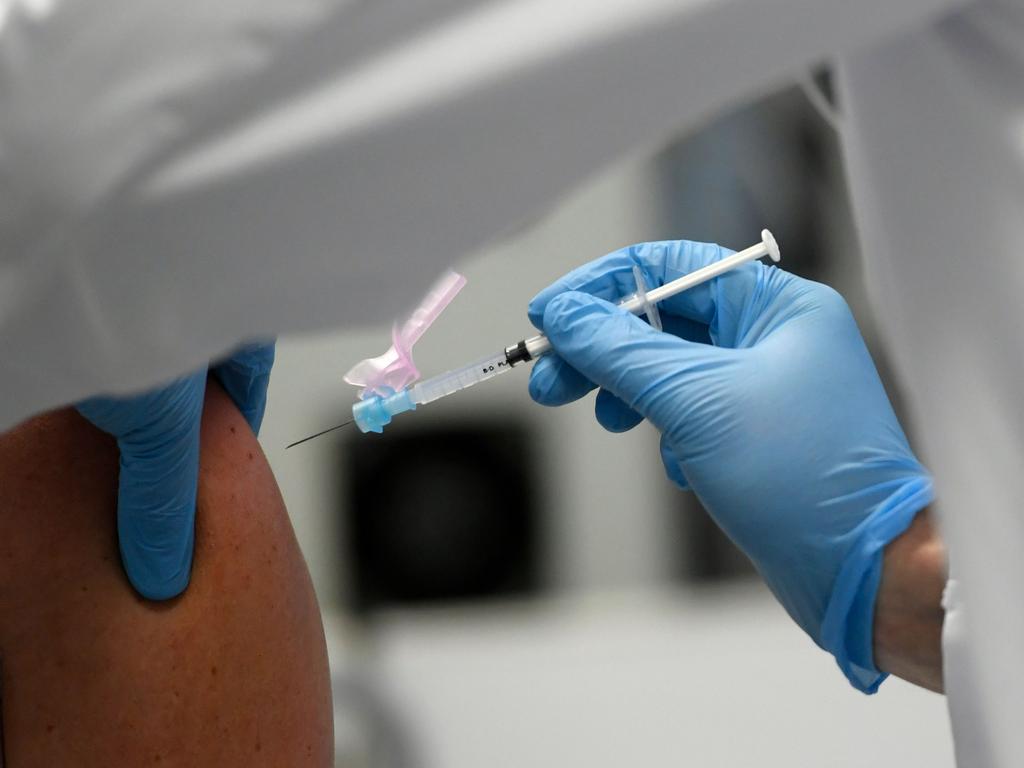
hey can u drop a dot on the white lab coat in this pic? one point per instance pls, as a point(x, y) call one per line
point(178, 176)
point(935, 149)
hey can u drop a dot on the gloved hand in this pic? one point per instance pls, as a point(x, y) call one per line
point(769, 408)
point(158, 436)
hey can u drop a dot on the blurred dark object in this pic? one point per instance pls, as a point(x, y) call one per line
point(767, 164)
point(441, 514)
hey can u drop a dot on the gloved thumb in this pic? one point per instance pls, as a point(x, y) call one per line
point(156, 507)
point(645, 368)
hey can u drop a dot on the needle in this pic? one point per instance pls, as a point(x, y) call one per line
point(374, 411)
point(298, 442)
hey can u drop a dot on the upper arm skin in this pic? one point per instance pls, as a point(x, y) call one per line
point(233, 673)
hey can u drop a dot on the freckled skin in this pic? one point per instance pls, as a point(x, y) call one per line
point(233, 673)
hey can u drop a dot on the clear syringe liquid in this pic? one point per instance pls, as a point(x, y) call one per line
point(445, 384)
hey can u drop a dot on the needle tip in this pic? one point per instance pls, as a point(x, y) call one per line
point(318, 434)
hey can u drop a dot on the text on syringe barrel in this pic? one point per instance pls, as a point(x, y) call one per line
point(452, 381)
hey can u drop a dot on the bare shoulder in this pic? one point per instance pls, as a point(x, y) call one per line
point(234, 673)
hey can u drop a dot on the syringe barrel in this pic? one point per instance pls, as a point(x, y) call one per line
point(374, 413)
point(445, 384)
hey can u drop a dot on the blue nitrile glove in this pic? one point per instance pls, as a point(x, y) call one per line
point(158, 437)
point(770, 409)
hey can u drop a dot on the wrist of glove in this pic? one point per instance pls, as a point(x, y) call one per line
point(770, 409)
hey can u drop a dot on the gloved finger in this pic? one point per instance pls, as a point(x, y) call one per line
point(554, 382)
point(613, 414)
point(245, 376)
point(673, 468)
point(621, 353)
point(156, 499)
point(609, 277)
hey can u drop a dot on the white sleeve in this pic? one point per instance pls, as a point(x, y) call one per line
point(960, 677)
point(178, 176)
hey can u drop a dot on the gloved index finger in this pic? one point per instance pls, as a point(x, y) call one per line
point(610, 277)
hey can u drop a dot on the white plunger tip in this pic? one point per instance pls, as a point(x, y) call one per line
point(769, 243)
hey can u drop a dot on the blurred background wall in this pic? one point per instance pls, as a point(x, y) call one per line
point(506, 585)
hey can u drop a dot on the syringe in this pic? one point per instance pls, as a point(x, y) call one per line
point(373, 413)
point(376, 412)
